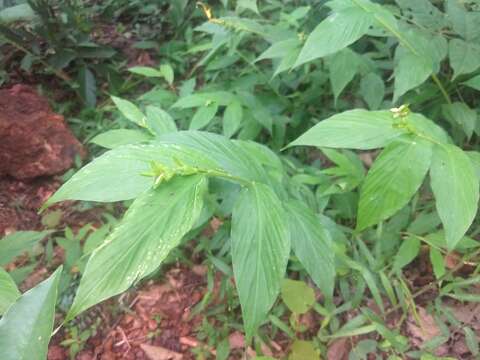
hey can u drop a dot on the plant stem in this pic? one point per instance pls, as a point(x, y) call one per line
point(434, 284)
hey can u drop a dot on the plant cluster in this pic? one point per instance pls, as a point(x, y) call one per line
point(334, 140)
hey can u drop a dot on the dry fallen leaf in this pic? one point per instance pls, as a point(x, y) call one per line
point(236, 340)
point(427, 329)
point(160, 353)
point(338, 350)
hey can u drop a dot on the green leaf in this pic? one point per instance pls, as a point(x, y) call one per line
point(18, 242)
point(423, 12)
point(153, 225)
point(335, 33)
point(285, 50)
point(203, 116)
point(302, 350)
point(465, 23)
point(88, 87)
point(312, 245)
point(114, 176)
point(221, 98)
point(26, 327)
point(355, 129)
point(459, 114)
point(145, 71)
point(167, 72)
point(117, 174)
point(247, 5)
point(130, 111)
point(394, 178)
point(298, 296)
point(20, 12)
point(342, 67)
point(8, 291)
point(472, 341)
point(408, 251)
point(437, 239)
point(410, 71)
point(118, 137)
point(455, 186)
point(372, 89)
point(159, 121)
point(260, 244)
point(438, 263)
point(427, 127)
point(475, 158)
point(464, 56)
point(279, 49)
point(473, 82)
point(232, 118)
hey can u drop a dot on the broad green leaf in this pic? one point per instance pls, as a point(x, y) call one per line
point(119, 174)
point(410, 71)
point(342, 67)
point(394, 178)
point(465, 23)
point(218, 152)
point(114, 176)
point(20, 12)
point(8, 291)
point(203, 116)
point(335, 33)
point(153, 225)
point(427, 127)
point(437, 239)
point(459, 114)
point(474, 82)
point(118, 137)
point(424, 223)
point(354, 129)
point(145, 71)
point(221, 98)
point(312, 244)
point(438, 264)
point(19, 242)
point(129, 110)
point(285, 50)
point(279, 49)
point(464, 56)
point(167, 72)
point(408, 251)
point(232, 118)
point(298, 296)
point(381, 15)
point(475, 158)
point(372, 89)
point(302, 350)
point(247, 5)
point(26, 327)
point(423, 12)
point(455, 186)
point(159, 121)
point(260, 245)
point(287, 62)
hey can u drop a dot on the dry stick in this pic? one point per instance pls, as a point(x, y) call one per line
point(432, 285)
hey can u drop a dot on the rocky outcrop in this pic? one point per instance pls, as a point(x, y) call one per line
point(34, 141)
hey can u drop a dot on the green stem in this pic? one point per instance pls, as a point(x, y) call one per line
point(442, 89)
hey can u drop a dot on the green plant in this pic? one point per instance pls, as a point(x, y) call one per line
point(283, 74)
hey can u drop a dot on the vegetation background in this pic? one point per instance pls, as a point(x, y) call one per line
point(256, 179)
